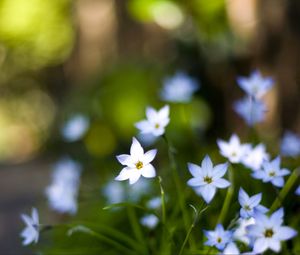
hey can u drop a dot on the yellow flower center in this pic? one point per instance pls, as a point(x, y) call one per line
point(269, 232)
point(207, 179)
point(247, 208)
point(272, 174)
point(157, 126)
point(139, 165)
point(219, 240)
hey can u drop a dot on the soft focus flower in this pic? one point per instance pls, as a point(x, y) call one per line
point(150, 221)
point(297, 192)
point(207, 178)
point(241, 232)
point(268, 232)
point(154, 203)
point(156, 121)
point(251, 110)
point(255, 85)
point(63, 191)
point(75, 128)
point(231, 249)
point(179, 88)
point(271, 172)
point(233, 150)
point(249, 204)
point(290, 145)
point(137, 163)
point(31, 232)
point(219, 237)
point(255, 157)
point(114, 192)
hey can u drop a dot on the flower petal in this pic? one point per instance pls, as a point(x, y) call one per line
point(221, 183)
point(255, 200)
point(151, 114)
point(134, 176)
point(125, 159)
point(195, 170)
point(148, 171)
point(206, 164)
point(285, 233)
point(243, 197)
point(136, 150)
point(260, 245)
point(124, 174)
point(149, 156)
point(278, 181)
point(208, 192)
point(220, 170)
point(196, 182)
point(274, 245)
point(144, 126)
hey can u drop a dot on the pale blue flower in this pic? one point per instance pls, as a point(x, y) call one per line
point(179, 88)
point(290, 144)
point(249, 204)
point(219, 237)
point(297, 192)
point(75, 128)
point(150, 221)
point(241, 232)
point(207, 178)
point(233, 150)
point(114, 192)
point(251, 110)
point(271, 172)
point(268, 232)
point(63, 191)
point(31, 232)
point(255, 85)
point(156, 121)
point(136, 164)
point(255, 156)
point(154, 203)
point(231, 249)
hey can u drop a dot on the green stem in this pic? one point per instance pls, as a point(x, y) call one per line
point(228, 197)
point(179, 189)
point(136, 227)
point(163, 200)
point(197, 214)
point(287, 187)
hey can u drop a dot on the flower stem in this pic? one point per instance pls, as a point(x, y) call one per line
point(197, 214)
point(287, 187)
point(228, 197)
point(163, 200)
point(136, 226)
point(179, 189)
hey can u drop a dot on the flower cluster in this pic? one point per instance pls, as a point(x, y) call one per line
point(255, 228)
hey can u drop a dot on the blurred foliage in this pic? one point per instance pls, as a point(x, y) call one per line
point(36, 33)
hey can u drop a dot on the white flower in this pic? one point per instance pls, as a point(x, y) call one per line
point(137, 163)
point(271, 172)
point(268, 232)
point(207, 178)
point(255, 85)
point(63, 191)
point(156, 121)
point(31, 232)
point(75, 128)
point(179, 88)
point(150, 221)
point(233, 150)
point(249, 204)
point(255, 157)
point(241, 232)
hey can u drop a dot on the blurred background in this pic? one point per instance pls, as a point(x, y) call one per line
point(106, 60)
